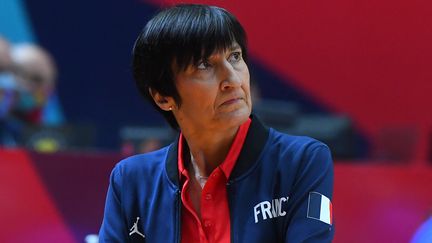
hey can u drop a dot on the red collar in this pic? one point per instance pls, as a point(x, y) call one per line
point(228, 164)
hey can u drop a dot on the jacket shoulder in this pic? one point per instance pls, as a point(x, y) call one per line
point(294, 143)
point(143, 163)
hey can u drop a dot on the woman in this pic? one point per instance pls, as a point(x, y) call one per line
point(227, 178)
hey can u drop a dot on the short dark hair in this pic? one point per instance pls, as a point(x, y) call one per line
point(186, 34)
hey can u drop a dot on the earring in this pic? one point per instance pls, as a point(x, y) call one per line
point(170, 108)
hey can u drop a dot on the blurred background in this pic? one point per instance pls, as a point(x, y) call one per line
point(356, 75)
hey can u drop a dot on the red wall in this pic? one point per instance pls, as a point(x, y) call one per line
point(27, 211)
point(380, 203)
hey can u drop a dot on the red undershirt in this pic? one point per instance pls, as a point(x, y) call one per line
point(214, 225)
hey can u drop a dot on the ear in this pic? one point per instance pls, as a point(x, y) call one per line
point(166, 103)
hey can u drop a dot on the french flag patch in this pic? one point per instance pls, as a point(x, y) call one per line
point(320, 208)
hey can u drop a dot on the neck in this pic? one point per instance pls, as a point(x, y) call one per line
point(209, 149)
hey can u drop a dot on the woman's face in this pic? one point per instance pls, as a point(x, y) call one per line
point(215, 93)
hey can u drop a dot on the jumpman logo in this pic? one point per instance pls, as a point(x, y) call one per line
point(134, 229)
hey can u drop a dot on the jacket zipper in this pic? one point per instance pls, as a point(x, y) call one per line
point(228, 186)
point(178, 212)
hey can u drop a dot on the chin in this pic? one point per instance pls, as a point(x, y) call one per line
point(235, 118)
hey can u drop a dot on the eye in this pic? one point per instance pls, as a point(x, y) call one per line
point(235, 57)
point(203, 65)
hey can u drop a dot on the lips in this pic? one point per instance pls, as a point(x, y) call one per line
point(231, 101)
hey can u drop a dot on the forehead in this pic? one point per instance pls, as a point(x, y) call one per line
point(205, 54)
point(234, 46)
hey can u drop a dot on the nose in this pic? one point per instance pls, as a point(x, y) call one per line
point(230, 78)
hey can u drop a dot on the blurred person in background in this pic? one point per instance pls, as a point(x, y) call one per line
point(36, 109)
point(5, 58)
point(36, 75)
point(9, 131)
point(27, 91)
point(227, 177)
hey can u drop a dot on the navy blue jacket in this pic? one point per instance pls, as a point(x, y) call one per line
point(272, 193)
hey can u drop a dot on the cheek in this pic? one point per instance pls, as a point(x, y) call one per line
point(199, 94)
point(246, 81)
point(244, 72)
